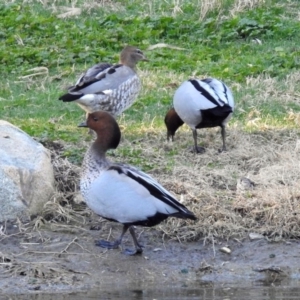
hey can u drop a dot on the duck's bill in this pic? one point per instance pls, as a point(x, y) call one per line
point(82, 124)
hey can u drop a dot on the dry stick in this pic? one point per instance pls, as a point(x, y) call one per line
point(3, 229)
point(139, 235)
point(30, 262)
point(178, 239)
point(10, 235)
point(64, 251)
point(109, 234)
point(31, 75)
point(53, 252)
point(213, 244)
point(72, 242)
point(56, 227)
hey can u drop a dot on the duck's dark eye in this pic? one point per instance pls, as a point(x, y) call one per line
point(95, 119)
point(138, 51)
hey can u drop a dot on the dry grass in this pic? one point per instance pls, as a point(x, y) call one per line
point(207, 183)
point(66, 205)
point(238, 6)
point(242, 5)
point(72, 8)
point(207, 6)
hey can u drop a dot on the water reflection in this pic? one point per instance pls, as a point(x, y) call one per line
point(206, 291)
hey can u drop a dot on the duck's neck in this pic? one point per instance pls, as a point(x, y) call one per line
point(132, 66)
point(98, 150)
point(92, 166)
point(95, 159)
point(129, 64)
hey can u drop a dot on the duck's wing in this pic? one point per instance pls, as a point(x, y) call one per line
point(154, 188)
point(90, 75)
point(107, 80)
point(193, 96)
point(221, 90)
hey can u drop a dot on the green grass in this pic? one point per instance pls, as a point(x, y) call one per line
point(232, 45)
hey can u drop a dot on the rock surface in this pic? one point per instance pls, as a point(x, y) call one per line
point(26, 174)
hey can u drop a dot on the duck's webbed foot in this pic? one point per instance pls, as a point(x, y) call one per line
point(223, 149)
point(117, 243)
point(138, 246)
point(107, 244)
point(112, 245)
point(199, 149)
point(131, 252)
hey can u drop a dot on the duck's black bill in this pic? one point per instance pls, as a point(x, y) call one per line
point(83, 124)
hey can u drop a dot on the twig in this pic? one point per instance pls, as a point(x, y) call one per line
point(213, 245)
point(31, 75)
point(72, 242)
point(53, 252)
point(163, 45)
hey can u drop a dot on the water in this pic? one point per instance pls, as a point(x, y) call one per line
point(205, 291)
point(251, 293)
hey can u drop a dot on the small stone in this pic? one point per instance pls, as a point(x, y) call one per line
point(255, 236)
point(157, 249)
point(225, 250)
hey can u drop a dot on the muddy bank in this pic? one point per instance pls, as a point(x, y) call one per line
point(58, 261)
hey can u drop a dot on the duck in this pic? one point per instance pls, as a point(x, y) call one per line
point(200, 104)
point(104, 86)
point(119, 192)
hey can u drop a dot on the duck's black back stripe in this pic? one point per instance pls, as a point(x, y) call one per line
point(84, 84)
point(203, 91)
point(209, 80)
point(153, 190)
point(93, 71)
point(114, 68)
point(225, 92)
point(101, 76)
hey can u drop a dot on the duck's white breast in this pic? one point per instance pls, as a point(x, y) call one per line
point(116, 196)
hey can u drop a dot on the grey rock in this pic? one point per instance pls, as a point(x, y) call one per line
point(26, 174)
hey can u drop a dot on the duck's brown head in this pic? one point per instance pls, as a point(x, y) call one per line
point(173, 122)
point(106, 128)
point(131, 55)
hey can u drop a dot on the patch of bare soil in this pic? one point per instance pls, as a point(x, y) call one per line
point(59, 261)
point(246, 201)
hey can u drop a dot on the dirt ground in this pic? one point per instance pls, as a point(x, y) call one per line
point(59, 261)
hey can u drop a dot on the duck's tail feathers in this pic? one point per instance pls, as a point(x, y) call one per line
point(185, 215)
point(70, 97)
